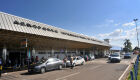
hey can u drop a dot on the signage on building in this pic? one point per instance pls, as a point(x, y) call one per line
point(34, 26)
point(52, 30)
point(24, 43)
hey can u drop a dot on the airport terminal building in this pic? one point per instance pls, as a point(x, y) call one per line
point(21, 38)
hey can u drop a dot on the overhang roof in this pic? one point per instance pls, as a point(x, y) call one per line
point(19, 24)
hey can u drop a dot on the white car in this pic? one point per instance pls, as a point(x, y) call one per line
point(76, 61)
point(115, 57)
point(123, 53)
point(92, 57)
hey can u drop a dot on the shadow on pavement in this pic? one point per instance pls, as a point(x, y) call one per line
point(36, 73)
point(27, 73)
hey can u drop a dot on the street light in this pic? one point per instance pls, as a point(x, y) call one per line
point(135, 20)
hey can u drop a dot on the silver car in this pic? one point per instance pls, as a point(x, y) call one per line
point(49, 64)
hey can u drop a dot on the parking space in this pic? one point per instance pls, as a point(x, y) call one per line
point(98, 69)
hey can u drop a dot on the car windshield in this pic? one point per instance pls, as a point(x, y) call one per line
point(42, 61)
point(115, 55)
point(127, 54)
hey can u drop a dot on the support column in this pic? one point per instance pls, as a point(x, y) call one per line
point(84, 52)
point(33, 53)
point(52, 52)
point(66, 52)
point(77, 52)
point(4, 53)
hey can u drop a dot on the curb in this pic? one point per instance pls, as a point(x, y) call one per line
point(127, 70)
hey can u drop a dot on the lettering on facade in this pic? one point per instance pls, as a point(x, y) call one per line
point(77, 36)
point(52, 30)
point(34, 26)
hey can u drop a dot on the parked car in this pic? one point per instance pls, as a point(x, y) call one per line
point(49, 64)
point(127, 55)
point(123, 53)
point(92, 57)
point(115, 57)
point(107, 55)
point(76, 61)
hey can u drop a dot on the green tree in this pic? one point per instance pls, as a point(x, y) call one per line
point(127, 45)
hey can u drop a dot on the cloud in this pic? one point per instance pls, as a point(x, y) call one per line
point(110, 21)
point(118, 36)
point(117, 32)
point(128, 24)
point(117, 24)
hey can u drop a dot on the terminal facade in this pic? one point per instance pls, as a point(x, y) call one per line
point(22, 38)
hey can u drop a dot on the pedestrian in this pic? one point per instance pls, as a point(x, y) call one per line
point(71, 62)
point(22, 62)
point(43, 59)
point(32, 60)
point(9, 62)
point(36, 59)
point(57, 57)
point(0, 66)
point(65, 62)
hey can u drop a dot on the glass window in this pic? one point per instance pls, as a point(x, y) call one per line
point(50, 60)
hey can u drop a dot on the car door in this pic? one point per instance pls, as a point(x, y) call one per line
point(78, 60)
point(56, 63)
point(50, 64)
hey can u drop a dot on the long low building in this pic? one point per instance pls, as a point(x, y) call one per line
point(21, 38)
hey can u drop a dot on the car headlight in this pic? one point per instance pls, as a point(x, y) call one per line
point(37, 67)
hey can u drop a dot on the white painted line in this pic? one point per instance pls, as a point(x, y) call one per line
point(126, 70)
point(63, 78)
point(124, 73)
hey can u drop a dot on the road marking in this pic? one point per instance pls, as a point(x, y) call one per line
point(63, 78)
point(126, 69)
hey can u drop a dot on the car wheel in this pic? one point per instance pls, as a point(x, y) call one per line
point(42, 70)
point(82, 63)
point(29, 71)
point(74, 65)
point(60, 67)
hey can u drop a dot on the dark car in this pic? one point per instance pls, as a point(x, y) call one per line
point(49, 64)
point(127, 55)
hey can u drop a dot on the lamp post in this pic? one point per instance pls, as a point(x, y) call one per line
point(135, 20)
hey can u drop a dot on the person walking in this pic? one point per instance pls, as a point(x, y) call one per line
point(43, 59)
point(71, 62)
point(32, 60)
point(65, 62)
point(36, 59)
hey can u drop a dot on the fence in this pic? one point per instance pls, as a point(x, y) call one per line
point(136, 66)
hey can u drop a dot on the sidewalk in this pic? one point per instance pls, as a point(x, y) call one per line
point(12, 75)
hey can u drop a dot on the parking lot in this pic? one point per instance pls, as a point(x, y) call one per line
point(98, 69)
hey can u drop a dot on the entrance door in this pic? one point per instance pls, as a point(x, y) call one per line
point(17, 58)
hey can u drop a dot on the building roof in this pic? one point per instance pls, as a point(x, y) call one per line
point(19, 24)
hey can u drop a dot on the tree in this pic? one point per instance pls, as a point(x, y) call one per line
point(127, 45)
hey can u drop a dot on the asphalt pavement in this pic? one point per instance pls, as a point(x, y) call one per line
point(98, 69)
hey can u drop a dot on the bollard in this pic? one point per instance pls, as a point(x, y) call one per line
point(131, 73)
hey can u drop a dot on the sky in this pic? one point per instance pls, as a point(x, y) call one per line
point(112, 19)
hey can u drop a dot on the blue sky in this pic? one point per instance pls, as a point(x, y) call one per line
point(111, 19)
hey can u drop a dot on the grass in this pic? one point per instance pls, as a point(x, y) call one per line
point(138, 78)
